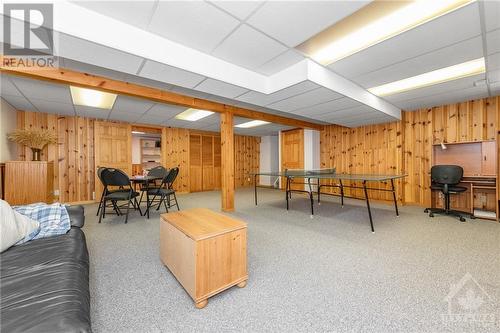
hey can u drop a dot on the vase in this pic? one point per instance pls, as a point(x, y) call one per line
point(36, 154)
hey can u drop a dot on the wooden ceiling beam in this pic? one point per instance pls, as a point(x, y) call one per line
point(84, 80)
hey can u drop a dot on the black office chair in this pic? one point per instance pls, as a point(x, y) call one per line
point(165, 191)
point(118, 178)
point(445, 178)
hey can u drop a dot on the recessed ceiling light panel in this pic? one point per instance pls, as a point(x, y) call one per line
point(93, 98)
point(193, 114)
point(373, 24)
point(469, 68)
point(253, 123)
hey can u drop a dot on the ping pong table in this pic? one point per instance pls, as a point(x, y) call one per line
point(314, 177)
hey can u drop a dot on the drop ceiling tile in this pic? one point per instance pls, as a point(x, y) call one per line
point(493, 41)
point(447, 56)
point(136, 13)
point(494, 76)
point(7, 88)
point(169, 74)
point(220, 88)
point(281, 62)
point(19, 103)
point(455, 96)
point(328, 107)
point(494, 61)
point(457, 26)
point(91, 69)
point(195, 24)
point(292, 22)
point(43, 90)
point(440, 88)
point(87, 52)
point(492, 14)
point(257, 98)
point(53, 107)
point(152, 120)
point(307, 99)
point(165, 111)
point(240, 9)
point(124, 116)
point(132, 105)
point(90, 112)
point(248, 48)
point(190, 92)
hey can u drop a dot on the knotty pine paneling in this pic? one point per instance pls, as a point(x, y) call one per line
point(366, 149)
point(73, 155)
point(175, 153)
point(247, 159)
point(406, 146)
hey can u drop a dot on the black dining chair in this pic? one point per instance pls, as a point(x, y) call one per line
point(165, 192)
point(118, 178)
point(159, 172)
point(445, 178)
point(106, 190)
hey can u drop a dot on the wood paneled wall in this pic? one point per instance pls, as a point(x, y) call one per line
point(367, 149)
point(406, 146)
point(247, 159)
point(73, 155)
point(175, 153)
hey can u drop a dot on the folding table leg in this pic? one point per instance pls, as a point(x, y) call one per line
point(368, 205)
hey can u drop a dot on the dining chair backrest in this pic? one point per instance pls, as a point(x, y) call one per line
point(158, 171)
point(99, 174)
point(170, 177)
point(115, 177)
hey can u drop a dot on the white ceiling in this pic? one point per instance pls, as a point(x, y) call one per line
point(37, 96)
point(258, 37)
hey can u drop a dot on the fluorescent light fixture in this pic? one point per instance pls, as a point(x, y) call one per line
point(193, 114)
point(253, 123)
point(93, 98)
point(138, 132)
point(459, 71)
point(393, 23)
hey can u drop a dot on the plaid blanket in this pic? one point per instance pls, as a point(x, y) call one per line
point(53, 219)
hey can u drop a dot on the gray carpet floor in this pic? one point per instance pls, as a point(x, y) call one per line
point(329, 273)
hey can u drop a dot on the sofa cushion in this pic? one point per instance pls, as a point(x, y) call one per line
point(76, 215)
point(45, 285)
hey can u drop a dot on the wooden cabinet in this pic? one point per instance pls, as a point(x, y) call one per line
point(28, 182)
point(205, 251)
point(204, 162)
point(489, 158)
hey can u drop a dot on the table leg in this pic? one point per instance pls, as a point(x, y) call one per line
point(286, 191)
point(368, 205)
point(255, 189)
point(319, 192)
point(311, 196)
point(394, 197)
point(341, 193)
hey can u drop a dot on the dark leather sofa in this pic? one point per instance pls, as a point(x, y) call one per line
point(44, 284)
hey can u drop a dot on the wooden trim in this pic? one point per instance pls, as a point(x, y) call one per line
point(74, 78)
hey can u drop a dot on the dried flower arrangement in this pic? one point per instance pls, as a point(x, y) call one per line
point(33, 138)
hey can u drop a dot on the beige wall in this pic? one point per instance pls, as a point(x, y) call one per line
point(8, 122)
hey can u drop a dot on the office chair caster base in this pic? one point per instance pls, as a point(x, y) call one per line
point(462, 219)
point(431, 215)
point(426, 210)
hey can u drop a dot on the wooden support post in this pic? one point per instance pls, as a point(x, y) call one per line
point(227, 161)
